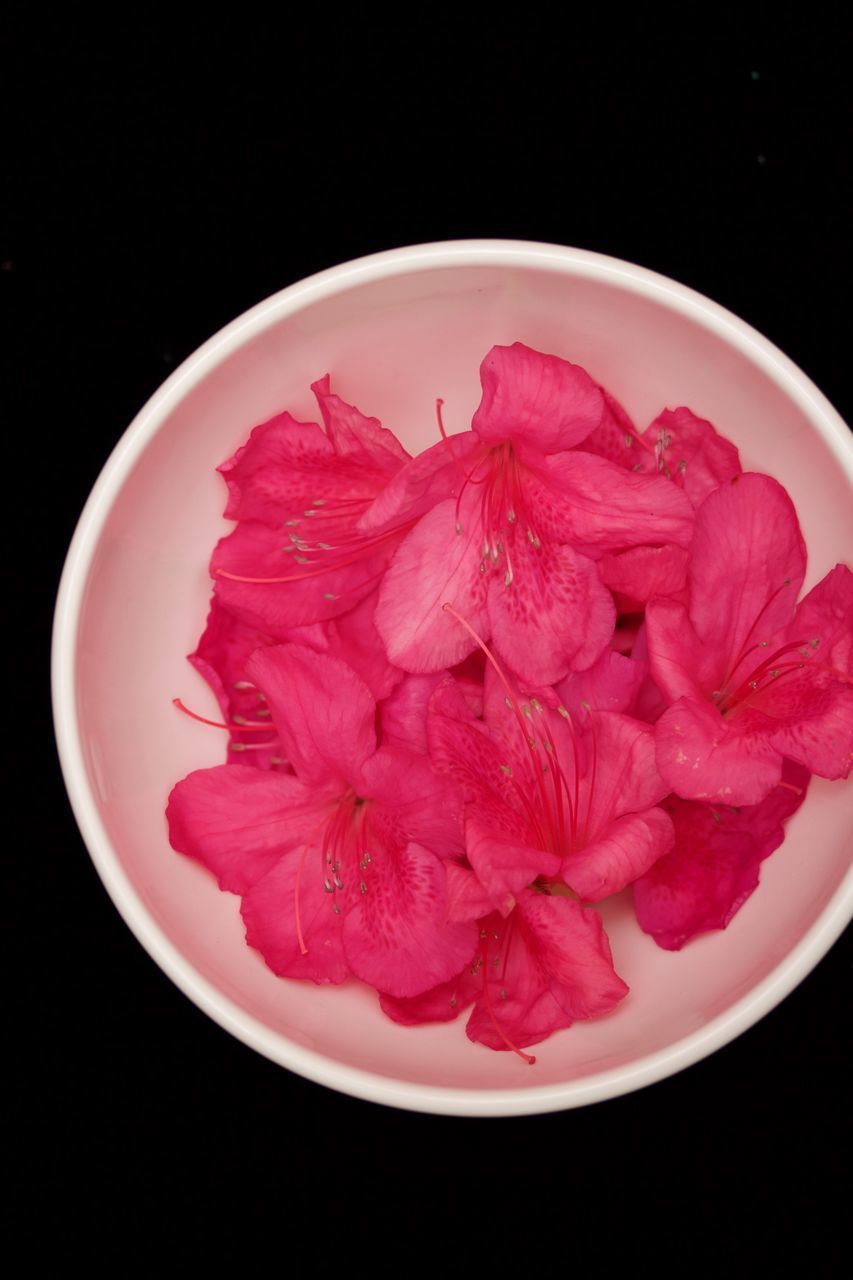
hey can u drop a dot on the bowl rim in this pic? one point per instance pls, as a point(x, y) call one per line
point(273, 1044)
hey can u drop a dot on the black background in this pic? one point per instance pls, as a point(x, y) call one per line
point(159, 181)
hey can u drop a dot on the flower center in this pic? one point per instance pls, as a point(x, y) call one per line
point(342, 844)
point(739, 689)
point(557, 811)
point(503, 512)
point(773, 668)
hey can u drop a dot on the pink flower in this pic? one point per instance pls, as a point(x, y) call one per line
point(512, 551)
point(544, 967)
point(341, 866)
point(745, 683)
point(714, 864)
point(550, 800)
point(226, 646)
point(297, 493)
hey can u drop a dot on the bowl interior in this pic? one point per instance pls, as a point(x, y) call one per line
point(392, 346)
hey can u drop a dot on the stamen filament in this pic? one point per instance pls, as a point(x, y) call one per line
point(303, 950)
point(744, 650)
point(369, 545)
point(591, 788)
point(248, 726)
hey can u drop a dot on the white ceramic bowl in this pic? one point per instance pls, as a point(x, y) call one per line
point(396, 330)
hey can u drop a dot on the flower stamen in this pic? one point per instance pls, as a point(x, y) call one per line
point(239, 725)
point(529, 1058)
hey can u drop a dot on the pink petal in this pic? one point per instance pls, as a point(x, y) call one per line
point(823, 741)
point(554, 967)
point(396, 934)
point(541, 399)
point(596, 504)
point(629, 847)
point(353, 639)
point(269, 913)
point(650, 704)
point(826, 615)
point(442, 1004)
point(679, 664)
point(692, 453)
point(468, 675)
point(426, 806)
point(610, 684)
point(616, 438)
point(621, 775)
point(636, 575)
point(525, 1019)
point(463, 748)
point(467, 899)
point(747, 563)
point(714, 865)
point(320, 585)
point(555, 616)
point(503, 861)
point(362, 441)
point(811, 707)
point(323, 712)
point(238, 821)
point(519, 736)
point(515, 1006)
point(570, 944)
point(703, 756)
point(404, 713)
point(277, 474)
point(432, 566)
point(437, 473)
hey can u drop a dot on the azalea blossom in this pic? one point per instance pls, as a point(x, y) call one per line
point(747, 680)
point(340, 865)
point(549, 800)
point(297, 493)
point(514, 549)
point(226, 645)
point(546, 966)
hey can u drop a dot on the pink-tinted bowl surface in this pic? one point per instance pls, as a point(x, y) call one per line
point(395, 331)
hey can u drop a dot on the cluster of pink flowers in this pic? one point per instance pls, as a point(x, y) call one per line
point(473, 693)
